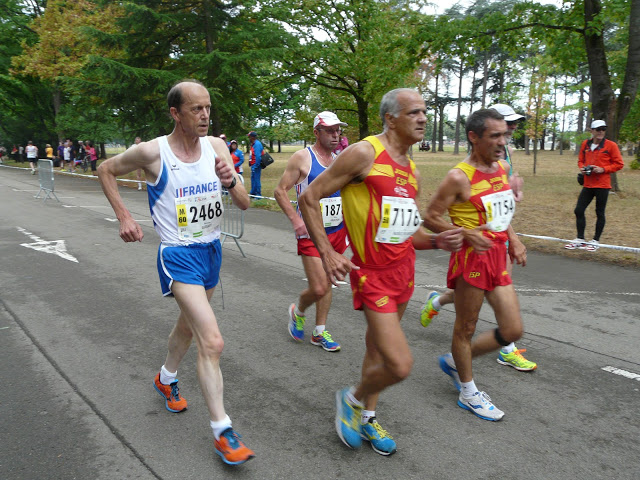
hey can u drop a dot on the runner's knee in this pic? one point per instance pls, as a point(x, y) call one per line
point(506, 335)
point(401, 368)
point(212, 346)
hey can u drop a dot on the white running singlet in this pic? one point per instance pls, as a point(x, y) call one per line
point(178, 179)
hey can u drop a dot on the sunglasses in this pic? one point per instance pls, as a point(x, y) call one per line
point(333, 131)
point(601, 129)
point(512, 122)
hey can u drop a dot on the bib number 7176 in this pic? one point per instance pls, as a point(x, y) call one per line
point(399, 219)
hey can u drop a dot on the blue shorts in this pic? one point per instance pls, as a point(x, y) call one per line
point(194, 264)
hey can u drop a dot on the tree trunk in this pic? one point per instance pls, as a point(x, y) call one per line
point(604, 104)
point(485, 74)
point(363, 117)
point(434, 136)
point(456, 150)
point(441, 129)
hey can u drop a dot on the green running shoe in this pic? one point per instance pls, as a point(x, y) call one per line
point(516, 360)
point(428, 312)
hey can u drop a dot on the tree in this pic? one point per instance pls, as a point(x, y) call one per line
point(347, 48)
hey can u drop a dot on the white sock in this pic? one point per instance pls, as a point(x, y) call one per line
point(221, 426)
point(319, 329)
point(436, 304)
point(468, 389)
point(166, 377)
point(298, 312)
point(366, 415)
point(509, 348)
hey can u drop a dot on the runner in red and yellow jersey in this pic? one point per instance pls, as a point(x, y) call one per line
point(378, 185)
point(478, 197)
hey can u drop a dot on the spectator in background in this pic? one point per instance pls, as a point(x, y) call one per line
point(256, 163)
point(93, 157)
point(20, 153)
point(69, 155)
point(597, 160)
point(49, 152)
point(32, 156)
point(60, 156)
point(342, 144)
point(238, 158)
point(81, 152)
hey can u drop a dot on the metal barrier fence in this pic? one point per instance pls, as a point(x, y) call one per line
point(45, 175)
point(232, 221)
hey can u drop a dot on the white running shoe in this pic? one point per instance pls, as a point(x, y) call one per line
point(576, 243)
point(592, 246)
point(480, 404)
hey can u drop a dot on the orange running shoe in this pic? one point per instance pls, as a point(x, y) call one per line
point(231, 449)
point(173, 400)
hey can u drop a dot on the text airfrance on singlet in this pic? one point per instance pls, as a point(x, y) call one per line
point(195, 217)
point(365, 208)
point(331, 207)
point(491, 201)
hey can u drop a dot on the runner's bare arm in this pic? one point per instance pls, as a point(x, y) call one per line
point(450, 240)
point(226, 173)
point(352, 165)
point(146, 155)
point(455, 188)
point(517, 250)
point(293, 174)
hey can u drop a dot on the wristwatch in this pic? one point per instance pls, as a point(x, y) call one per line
point(232, 184)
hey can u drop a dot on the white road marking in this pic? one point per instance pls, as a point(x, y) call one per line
point(542, 290)
point(115, 220)
point(56, 247)
point(622, 373)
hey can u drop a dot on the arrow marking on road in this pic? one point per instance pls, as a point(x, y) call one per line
point(57, 247)
point(622, 373)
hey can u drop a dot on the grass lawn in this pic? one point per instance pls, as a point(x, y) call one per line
point(547, 209)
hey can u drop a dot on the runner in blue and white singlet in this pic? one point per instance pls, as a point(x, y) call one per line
point(184, 180)
point(316, 169)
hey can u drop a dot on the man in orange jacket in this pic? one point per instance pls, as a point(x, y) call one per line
point(598, 158)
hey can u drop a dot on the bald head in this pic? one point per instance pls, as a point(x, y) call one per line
point(176, 95)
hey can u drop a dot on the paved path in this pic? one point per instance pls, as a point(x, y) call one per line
point(81, 342)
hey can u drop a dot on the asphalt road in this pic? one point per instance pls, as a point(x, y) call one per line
point(82, 340)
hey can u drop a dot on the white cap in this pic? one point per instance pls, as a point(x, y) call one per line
point(507, 112)
point(327, 119)
point(598, 123)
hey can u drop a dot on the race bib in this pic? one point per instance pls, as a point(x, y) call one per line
point(500, 207)
point(198, 215)
point(331, 211)
point(399, 219)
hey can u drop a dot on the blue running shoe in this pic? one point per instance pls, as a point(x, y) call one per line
point(380, 440)
point(480, 404)
point(449, 367)
point(325, 341)
point(296, 324)
point(348, 423)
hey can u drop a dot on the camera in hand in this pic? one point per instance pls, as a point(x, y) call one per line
point(588, 169)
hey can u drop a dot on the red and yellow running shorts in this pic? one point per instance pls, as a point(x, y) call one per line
point(339, 242)
point(486, 270)
point(383, 288)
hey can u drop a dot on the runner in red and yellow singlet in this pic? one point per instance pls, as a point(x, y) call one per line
point(369, 210)
point(484, 270)
point(378, 184)
point(478, 197)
